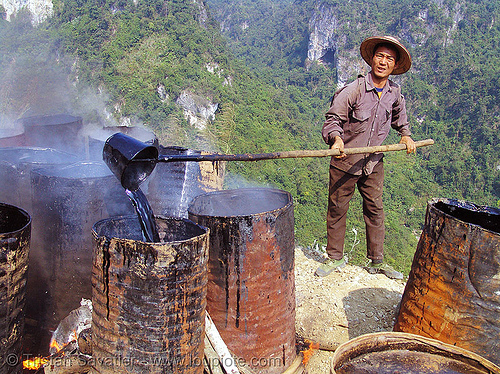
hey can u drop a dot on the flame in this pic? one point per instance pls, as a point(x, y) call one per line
point(37, 362)
point(34, 363)
point(54, 344)
point(313, 347)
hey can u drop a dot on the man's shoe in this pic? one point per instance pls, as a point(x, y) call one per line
point(329, 266)
point(383, 268)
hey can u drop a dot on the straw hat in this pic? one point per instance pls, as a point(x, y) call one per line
point(368, 46)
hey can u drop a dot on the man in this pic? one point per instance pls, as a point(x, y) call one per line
point(361, 115)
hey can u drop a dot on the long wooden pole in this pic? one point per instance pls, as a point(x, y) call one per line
point(288, 154)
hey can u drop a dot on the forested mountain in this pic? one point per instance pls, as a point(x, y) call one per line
point(270, 68)
point(452, 91)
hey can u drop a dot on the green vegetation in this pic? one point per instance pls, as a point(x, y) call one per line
point(452, 96)
point(268, 99)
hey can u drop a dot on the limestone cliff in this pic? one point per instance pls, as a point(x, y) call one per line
point(40, 10)
point(334, 36)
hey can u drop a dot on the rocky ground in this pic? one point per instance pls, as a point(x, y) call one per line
point(345, 304)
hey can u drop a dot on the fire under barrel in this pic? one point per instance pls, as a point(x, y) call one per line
point(15, 231)
point(67, 201)
point(251, 289)
point(452, 293)
point(149, 299)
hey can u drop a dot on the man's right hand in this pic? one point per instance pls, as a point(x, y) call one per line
point(338, 144)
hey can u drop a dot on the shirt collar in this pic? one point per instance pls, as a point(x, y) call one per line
point(370, 86)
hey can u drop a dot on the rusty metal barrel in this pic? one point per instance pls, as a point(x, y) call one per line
point(67, 201)
point(15, 231)
point(149, 299)
point(251, 289)
point(398, 352)
point(453, 290)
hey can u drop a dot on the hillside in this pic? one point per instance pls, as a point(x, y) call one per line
point(239, 76)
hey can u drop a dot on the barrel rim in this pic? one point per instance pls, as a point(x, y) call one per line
point(463, 204)
point(35, 162)
point(46, 170)
point(221, 192)
point(54, 120)
point(20, 210)
point(195, 238)
point(398, 338)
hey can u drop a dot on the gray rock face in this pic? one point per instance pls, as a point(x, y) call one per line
point(40, 9)
point(328, 43)
point(198, 110)
point(324, 26)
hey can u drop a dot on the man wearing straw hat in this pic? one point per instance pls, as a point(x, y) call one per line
point(361, 115)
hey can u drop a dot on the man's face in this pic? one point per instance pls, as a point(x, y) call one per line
point(384, 62)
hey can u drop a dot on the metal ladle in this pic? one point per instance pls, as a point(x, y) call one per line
point(132, 161)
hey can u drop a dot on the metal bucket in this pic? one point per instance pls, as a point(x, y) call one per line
point(251, 289)
point(67, 201)
point(452, 293)
point(149, 298)
point(391, 352)
point(59, 131)
point(15, 230)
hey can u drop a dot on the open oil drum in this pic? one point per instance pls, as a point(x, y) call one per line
point(397, 352)
point(15, 230)
point(67, 201)
point(12, 137)
point(57, 131)
point(251, 289)
point(149, 299)
point(453, 290)
point(16, 164)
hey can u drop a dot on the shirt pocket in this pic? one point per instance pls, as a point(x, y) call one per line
point(359, 121)
point(385, 123)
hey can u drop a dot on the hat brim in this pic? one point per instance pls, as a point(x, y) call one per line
point(369, 44)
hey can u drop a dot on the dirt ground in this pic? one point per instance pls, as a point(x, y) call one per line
point(347, 303)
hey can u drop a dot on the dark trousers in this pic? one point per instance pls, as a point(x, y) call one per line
point(341, 189)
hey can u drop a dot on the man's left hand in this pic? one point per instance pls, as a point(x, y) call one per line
point(410, 144)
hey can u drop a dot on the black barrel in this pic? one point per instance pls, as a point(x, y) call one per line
point(12, 137)
point(173, 185)
point(15, 230)
point(58, 131)
point(67, 201)
point(16, 164)
point(149, 298)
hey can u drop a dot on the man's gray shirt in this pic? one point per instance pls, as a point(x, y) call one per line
point(362, 119)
